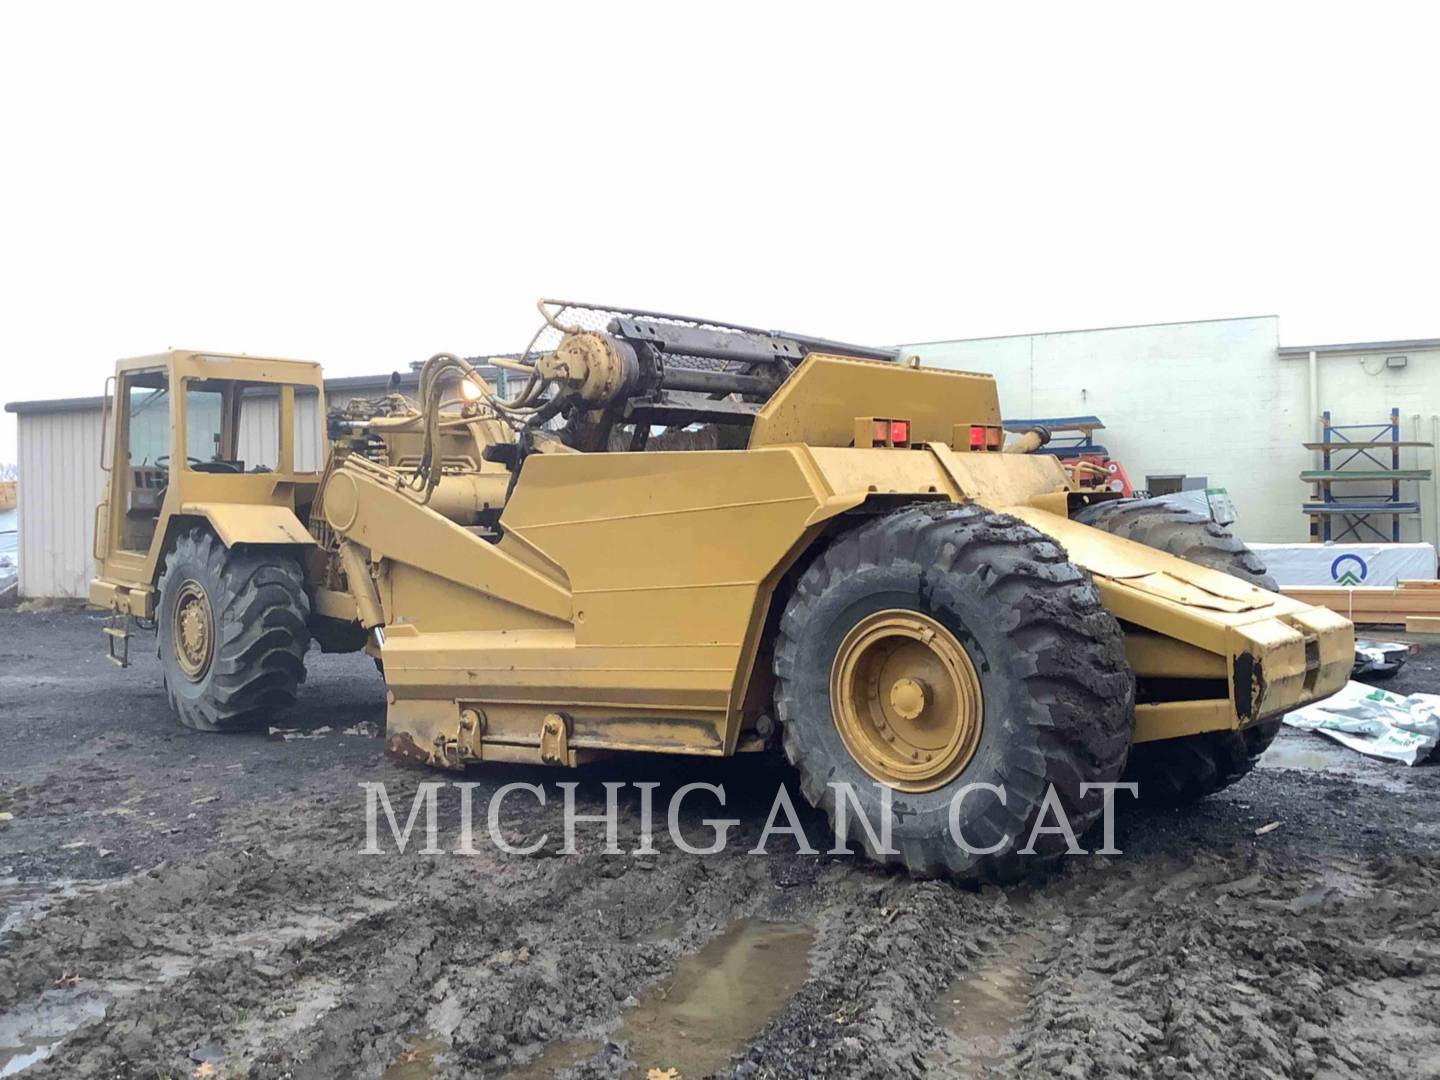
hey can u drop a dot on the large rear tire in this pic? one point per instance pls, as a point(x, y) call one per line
point(943, 646)
point(232, 632)
point(1182, 770)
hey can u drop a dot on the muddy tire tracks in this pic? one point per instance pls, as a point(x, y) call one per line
point(236, 919)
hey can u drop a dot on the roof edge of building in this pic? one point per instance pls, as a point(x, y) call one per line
point(53, 405)
point(340, 384)
point(1361, 347)
point(1086, 330)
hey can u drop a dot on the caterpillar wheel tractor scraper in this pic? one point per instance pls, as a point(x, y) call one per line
point(668, 535)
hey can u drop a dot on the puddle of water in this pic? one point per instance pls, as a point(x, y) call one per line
point(719, 999)
point(982, 1007)
point(20, 899)
point(1287, 755)
point(418, 1062)
point(15, 1058)
point(29, 1033)
point(1317, 754)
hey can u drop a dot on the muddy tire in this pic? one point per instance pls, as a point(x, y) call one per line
point(1161, 525)
point(1056, 694)
point(1178, 771)
point(1182, 770)
point(232, 632)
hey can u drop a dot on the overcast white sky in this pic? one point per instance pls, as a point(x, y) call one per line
point(368, 184)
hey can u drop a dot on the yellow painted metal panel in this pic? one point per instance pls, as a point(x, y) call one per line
point(245, 523)
point(1172, 719)
point(1114, 557)
point(1154, 655)
point(630, 528)
point(864, 472)
point(1000, 480)
point(393, 525)
point(818, 404)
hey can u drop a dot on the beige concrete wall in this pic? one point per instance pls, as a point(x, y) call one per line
point(1358, 388)
point(1212, 399)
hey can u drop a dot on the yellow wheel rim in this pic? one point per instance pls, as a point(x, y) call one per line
point(906, 700)
point(193, 630)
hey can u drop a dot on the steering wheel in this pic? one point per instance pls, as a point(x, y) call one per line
point(199, 465)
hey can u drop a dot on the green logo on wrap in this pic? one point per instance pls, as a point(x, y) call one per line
point(1350, 575)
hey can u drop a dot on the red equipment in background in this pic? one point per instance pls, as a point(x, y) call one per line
point(1072, 440)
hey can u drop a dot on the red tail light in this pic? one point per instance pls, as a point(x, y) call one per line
point(881, 432)
point(977, 437)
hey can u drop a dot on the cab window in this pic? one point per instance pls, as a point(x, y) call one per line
point(141, 485)
point(204, 429)
point(147, 416)
point(231, 426)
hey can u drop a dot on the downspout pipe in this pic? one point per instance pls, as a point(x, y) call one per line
point(1435, 474)
point(1314, 421)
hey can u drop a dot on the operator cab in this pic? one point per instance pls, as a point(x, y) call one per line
point(225, 426)
point(215, 440)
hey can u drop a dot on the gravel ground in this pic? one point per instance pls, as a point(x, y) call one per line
point(177, 905)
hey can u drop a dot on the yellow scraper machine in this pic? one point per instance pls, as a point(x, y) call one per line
point(690, 537)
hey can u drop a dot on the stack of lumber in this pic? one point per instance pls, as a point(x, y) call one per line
point(1413, 604)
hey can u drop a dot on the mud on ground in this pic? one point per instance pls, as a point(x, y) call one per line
point(177, 904)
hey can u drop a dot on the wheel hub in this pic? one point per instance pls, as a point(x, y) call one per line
point(908, 697)
point(906, 700)
point(193, 630)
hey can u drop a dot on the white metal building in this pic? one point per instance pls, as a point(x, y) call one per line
point(1220, 399)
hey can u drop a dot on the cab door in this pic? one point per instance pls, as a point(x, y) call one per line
point(141, 419)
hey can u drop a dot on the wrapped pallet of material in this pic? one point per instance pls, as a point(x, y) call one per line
point(1346, 565)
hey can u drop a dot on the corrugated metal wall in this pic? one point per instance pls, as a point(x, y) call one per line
point(61, 483)
point(259, 439)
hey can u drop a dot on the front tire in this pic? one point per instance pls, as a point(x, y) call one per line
point(1174, 771)
point(232, 632)
point(1052, 693)
point(1181, 532)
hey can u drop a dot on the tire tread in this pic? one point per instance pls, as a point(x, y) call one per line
point(1175, 771)
point(261, 610)
point(1078, 679)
